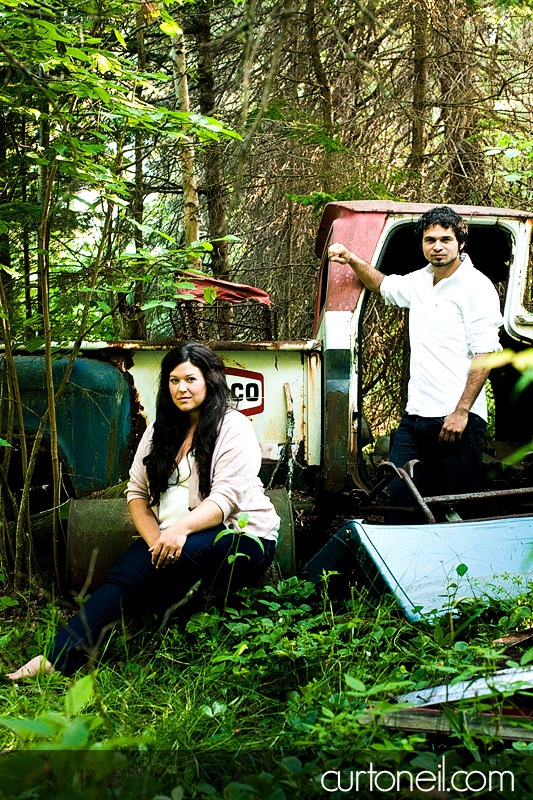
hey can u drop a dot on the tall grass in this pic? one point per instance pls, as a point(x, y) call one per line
point(279, 685)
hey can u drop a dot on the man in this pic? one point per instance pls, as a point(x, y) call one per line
point(454, 317)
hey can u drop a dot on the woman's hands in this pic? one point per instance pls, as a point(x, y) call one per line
point(169, 546)
point(171, 540)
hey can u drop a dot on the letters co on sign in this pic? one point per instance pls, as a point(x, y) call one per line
point(249, 389)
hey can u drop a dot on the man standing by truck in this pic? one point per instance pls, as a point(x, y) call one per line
point(454, 317)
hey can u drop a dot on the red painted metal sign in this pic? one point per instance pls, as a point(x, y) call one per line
point(249, 389)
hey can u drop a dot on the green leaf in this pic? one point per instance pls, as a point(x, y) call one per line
point(75, 52)
point(51, 31)
point(201, 246)
point(243, 520)
point(27, 728)
point(79, 695)
point(518, 455)
point(461, 570)
point(10, 271)
point(158, 304)
point(101, 93)
point(229, 238)
point(36, 344)
point(355, 684)
point(120, 37)
point(171, 28)
point(511, 177)
point(76, 733)
point(4, 443)
point(169, 25)
point(210, 295)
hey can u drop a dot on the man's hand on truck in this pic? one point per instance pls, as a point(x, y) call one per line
point(370, 276)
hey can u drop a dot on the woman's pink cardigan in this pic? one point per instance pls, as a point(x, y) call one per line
point(235, 486)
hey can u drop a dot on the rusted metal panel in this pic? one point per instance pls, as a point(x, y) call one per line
point(99, 531)
point(93, 418)
point(307, 345)
point(265, 370)
point(337, 373)
point(339, 288)
point(349, 208)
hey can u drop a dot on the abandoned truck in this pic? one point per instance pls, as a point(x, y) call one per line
point(348, 388)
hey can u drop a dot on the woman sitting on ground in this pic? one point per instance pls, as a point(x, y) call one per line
point(194, 473)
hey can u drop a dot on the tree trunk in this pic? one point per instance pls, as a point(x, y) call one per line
point(132, 318)
point(214, 178)
point(466, 178)
point(324, 88)
point(191, 211)
point(418, 124)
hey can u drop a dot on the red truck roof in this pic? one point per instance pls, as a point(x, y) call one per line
point(349, 208)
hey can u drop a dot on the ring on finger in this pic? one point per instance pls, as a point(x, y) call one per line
point(172, 556)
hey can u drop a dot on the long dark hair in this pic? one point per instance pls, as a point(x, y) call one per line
point(171, 424)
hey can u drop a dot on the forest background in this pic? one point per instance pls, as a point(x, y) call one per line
point(141, 138)
point(130, 130)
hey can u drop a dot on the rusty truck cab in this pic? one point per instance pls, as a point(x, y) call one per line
point(365, 343)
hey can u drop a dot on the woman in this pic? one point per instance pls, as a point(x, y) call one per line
point(194, 473)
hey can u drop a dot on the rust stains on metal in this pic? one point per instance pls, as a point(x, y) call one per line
point(334, 445)
point(308, 345)
point(494, 495)
point(314, 374)
point(340, 210)
point(231, 362)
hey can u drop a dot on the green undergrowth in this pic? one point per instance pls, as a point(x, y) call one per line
point(257, 700)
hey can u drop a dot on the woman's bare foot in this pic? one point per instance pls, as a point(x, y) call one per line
point(39, 664)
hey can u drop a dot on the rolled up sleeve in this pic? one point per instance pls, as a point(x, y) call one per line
point(396, 290)
point(483, 321)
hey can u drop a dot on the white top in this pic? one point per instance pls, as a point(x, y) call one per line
point(235, 486)
point(449, 323)
point(174, 503)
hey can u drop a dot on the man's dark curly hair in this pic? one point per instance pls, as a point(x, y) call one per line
point(446, 217)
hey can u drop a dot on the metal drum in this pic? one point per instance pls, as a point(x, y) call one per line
point(99, 531)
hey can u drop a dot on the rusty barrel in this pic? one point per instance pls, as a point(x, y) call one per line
point(99, 531)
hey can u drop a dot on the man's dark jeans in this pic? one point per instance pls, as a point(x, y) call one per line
point(134, 583)
point(450, 468)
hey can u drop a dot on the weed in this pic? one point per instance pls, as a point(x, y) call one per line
point(258, 698)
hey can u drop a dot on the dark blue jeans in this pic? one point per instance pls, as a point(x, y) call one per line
point(450, 468)
point(133, 583)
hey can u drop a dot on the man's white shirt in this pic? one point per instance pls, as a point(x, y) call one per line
point(449, 323)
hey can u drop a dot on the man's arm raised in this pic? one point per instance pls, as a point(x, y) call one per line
point(370, 276)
